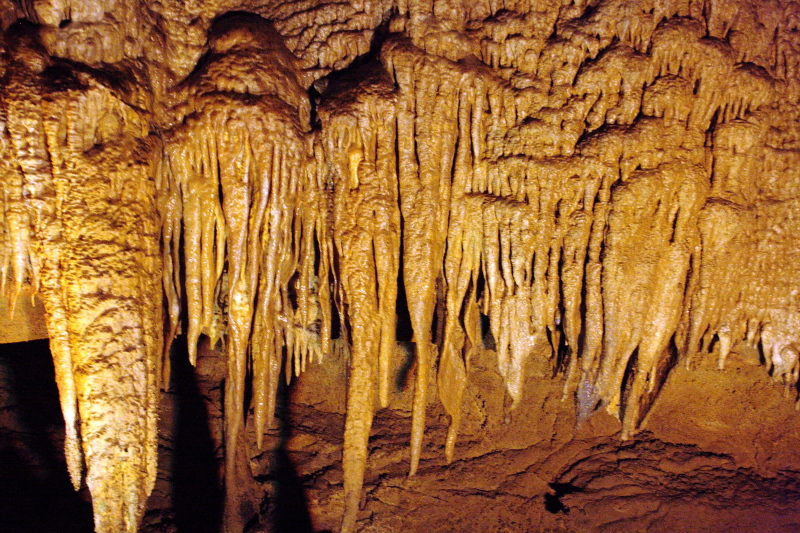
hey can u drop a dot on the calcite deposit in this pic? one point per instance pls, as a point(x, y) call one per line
point(608, 188)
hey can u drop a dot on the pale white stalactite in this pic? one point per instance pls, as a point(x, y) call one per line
point(725, 344)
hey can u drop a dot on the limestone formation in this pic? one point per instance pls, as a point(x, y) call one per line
point(610, 182)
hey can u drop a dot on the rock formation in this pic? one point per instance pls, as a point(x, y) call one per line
point(606, 187)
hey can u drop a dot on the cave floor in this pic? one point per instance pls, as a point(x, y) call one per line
point(712, 466)
point(589, 483)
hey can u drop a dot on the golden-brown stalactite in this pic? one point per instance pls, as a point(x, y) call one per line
point(418, 285)
point(426, 131)
point(587, 396)
point(115, 322)
point(462, 265)
point(96, 239)
point(15, 263)
point(265, 350)
point(359, 144)
point(22, 102)
point(170, 211)
point(235, 164)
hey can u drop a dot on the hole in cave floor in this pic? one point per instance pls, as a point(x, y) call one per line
point(551, 477)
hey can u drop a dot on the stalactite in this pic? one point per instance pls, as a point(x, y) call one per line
point(424, 199)
point(611, 184)
point(234, 170)
point(25, 126)
point(88, 190)
point(359, 145)
point(15, 264)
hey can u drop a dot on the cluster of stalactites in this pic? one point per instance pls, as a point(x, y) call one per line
point(746, 285)
point(519, 220)
point(607, 251)
point(241, 207)
point(528, 204)
point(591, 181)
point(238, 197)
point(358, 148)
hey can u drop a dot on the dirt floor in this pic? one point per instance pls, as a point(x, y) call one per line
point(717, 454)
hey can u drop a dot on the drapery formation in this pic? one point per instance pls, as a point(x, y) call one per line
point(615, 185)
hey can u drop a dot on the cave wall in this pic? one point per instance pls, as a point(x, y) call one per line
point(605, 189)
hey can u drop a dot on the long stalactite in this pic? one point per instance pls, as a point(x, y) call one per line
point(613, 183)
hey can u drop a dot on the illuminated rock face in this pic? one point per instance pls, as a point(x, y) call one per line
point(610, 186)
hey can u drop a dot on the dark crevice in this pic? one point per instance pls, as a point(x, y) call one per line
point(289, 505)
point(36, 495)
point(552, 501)
point(196, 485)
